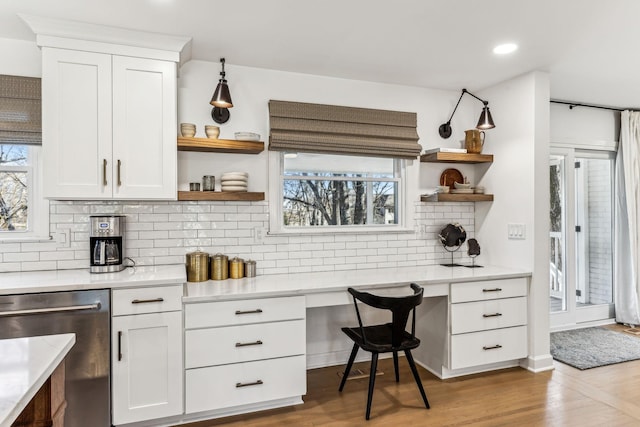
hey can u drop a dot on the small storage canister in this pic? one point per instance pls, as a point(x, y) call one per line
point(249, 268)
point(219, 267)
point(236, 268)
point(197, 266)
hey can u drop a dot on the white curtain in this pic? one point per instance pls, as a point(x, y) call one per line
point(627, 218)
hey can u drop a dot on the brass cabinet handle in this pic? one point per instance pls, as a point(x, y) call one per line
point(146, 301)
point(119, 346)
point(492, 290)
point(492, 315)
point(258, 310)
point(494, 347)
point(104, 172)
point(119, 164)
point(259, 382)
point(247, 344)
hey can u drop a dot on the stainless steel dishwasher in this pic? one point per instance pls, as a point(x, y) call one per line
point(85, 313)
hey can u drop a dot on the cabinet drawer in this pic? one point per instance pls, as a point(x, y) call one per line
point(146, 300)
point(203, 315)
point(245, 383)
point(490, 314)
point(232, 344)
point(488, 289)
point(480, 348)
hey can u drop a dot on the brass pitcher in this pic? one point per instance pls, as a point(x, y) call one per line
point(473, 140)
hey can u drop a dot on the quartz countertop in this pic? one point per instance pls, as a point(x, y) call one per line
point(335, 281)
point(25, 365)
point(72, 280)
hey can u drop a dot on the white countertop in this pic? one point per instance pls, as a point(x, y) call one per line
point(72, 280)
point(313, 283)
point(25, 365)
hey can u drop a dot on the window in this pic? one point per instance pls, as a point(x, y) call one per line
point(23, 213)
point(325, 192)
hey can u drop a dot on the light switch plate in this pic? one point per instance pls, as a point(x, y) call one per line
point(516, 231)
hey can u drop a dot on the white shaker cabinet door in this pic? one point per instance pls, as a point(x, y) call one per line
point(76, 124)
point(146, 366)
point(144, 129)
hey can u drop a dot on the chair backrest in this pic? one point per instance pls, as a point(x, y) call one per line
point(400, 308)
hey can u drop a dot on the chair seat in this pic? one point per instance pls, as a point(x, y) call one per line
point(378, 339)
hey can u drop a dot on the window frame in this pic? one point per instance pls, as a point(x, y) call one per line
point(38, 217)
point(276, 226)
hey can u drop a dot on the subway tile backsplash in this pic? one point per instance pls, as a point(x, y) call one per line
point(163, 232)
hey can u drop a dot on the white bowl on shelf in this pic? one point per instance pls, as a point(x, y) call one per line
point(462, 186)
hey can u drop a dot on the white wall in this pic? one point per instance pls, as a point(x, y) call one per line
point(20, 58)
point(519, 177)
point(584, 127)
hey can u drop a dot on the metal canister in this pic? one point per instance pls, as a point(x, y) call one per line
point(197, 266)
point(236, 268)
point(249, 268)
point(219, 267)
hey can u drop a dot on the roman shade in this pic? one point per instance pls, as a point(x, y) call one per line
point(318, 128)
point(20, 110)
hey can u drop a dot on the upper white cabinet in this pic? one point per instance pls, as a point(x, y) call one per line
point(109, 110)
point(109, 126)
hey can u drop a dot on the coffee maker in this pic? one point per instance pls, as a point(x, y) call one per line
point(106, 243)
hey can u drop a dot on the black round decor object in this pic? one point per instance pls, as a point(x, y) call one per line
point(220, 115)
point(452, 235)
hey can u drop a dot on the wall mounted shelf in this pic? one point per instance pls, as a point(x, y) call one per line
point(220, 145)
point(443, 157)
point(447, 197)
point(220, 196)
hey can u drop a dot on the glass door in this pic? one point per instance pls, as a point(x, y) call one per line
point(581, 226)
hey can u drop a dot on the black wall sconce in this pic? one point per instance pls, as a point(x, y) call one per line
point(221, 99)
point(485, 121)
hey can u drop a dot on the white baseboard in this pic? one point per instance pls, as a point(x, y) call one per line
point(538, 363)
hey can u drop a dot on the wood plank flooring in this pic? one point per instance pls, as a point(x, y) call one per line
point(606, 396)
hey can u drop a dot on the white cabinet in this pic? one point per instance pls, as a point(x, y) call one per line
point(109, 126)
point(244, 355)
point(481, 325)
point(146, 354)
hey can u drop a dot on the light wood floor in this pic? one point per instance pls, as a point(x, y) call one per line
point(606, 396)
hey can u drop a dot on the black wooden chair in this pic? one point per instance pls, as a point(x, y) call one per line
point(390, 337)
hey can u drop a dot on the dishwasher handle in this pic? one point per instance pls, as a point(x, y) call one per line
point(47, 310)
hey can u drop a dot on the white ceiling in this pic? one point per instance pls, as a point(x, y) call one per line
point(589, 47)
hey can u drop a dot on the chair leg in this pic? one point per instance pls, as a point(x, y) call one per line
point(372, 381)
point(354, 351)
point(395, 366)
point(412, 364)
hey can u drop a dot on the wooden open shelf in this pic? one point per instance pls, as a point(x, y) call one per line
point(448, 197)
point(220, 145)
point(220, 196)
point(443, 157)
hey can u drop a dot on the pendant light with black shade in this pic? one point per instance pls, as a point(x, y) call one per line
point(485, 121)
point(221, 99)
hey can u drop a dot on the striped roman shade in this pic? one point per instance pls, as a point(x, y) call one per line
point(20, 110)
point(317, 128)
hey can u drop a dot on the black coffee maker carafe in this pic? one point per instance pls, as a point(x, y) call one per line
point(106, 243)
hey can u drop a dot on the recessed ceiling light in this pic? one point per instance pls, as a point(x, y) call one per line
point(504, 49)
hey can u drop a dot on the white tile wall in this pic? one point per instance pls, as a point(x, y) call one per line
point(163, 232)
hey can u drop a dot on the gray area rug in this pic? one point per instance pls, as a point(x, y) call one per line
point(592, 347)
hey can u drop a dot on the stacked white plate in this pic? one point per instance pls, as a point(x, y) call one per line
point(234, 181)
point(247, 136)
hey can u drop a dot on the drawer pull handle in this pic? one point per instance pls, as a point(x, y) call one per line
point(147, 301)
point(494, 347)
point(247, 344)
point(492, 290)
point(119, 346)
point(258, 310)
point(259, 382)
point(492, 315)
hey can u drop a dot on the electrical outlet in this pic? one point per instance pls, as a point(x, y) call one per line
point(63, 238)
point(516, 231)
point(258, 234)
